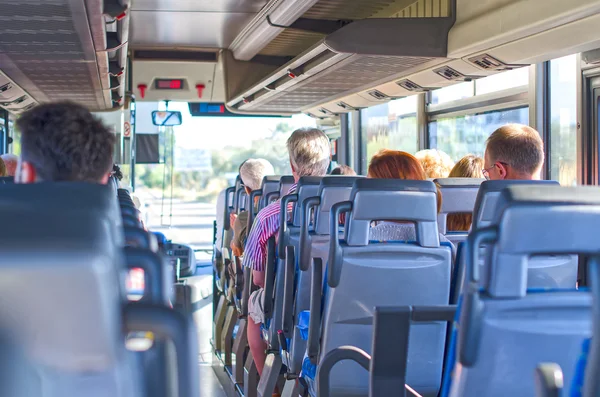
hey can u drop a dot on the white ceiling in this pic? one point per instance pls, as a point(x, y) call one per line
point(190, 23)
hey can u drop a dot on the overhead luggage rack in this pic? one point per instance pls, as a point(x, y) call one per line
point(359, 55)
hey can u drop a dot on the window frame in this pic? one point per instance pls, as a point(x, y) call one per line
point(535, 95)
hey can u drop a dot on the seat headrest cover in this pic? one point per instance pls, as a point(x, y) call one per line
point(309, 180)
point(339, 181)
point(70, 197)
point(458, 194)
point(533, 220)
point(285, 183)
point(272, 178)
point(458, 182)
point(72, 265)
point(393, 199)
point(308, 186)
point(333, 189)
point(489, 191)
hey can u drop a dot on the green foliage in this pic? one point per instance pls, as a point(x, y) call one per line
point(206, 185)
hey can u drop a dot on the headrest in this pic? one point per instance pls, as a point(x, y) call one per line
point(393, 199)
point(489, 191)
point(270, 185)
point(285, 183)
point(308, 186)
point(239, 199)
point(333, 189)
point(540, 219)
point(271, 179)
point(458, 196)
point(7, 179)
point(63, 273)
point(71, 199)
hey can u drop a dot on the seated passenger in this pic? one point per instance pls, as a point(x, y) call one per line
point(309, 152)
point(343, 170)
point(3, 171)
point(469, 166)
point(10, 160)
point(436, 164)
point(252, 173)
point(63, 141)
point(394, 164)
point(514, 151)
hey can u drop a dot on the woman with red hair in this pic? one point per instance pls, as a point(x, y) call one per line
point(395, 164)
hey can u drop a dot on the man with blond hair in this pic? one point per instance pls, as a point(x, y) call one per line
point(514, 151)
point(310, 155)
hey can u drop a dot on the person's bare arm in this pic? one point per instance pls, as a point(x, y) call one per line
point(258, 278)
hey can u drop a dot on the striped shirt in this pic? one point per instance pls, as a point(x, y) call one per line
point(265, 226)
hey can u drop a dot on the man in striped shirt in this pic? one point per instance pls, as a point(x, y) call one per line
point(310, 155)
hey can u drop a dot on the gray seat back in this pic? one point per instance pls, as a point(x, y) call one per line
point(240, 196)
point(289, 235)
point(545, 271)
point(62, 271)
point(487, 196)
point(270, 186)
point(362, 275)
point(458, 197)
point(506, 329)
point(285, 184)
point(78, 197)
point(314, 244)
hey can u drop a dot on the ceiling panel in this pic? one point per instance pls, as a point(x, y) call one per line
point(46, 48)
point(186, 29)
point(234, 6)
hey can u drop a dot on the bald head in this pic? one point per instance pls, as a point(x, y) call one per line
point(10, 160)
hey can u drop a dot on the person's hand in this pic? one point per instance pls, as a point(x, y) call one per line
point(237, 251)
point(232, 218)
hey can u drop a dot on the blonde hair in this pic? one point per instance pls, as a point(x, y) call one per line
point(437, 164)
point(395, 164)
point(469, 166)
point(253, 171)
point(517, 145)
point(310, 152)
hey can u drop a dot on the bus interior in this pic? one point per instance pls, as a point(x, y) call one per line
point(192, 89)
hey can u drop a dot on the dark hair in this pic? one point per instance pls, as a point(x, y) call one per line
point(342, 170)
point(65, 142)
point(117, 173)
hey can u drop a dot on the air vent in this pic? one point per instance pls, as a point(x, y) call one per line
point(410, 86)
point(6, 87)
point(327, 112)
point(451, 74)
point(345, 106)
point(26, 108)
point(380, 96)
point(15, 102)
point(488, 62)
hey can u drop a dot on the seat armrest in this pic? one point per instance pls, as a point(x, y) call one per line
point(314, 325)
point(335, 356)
point(549, 380)
point(288, 291)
